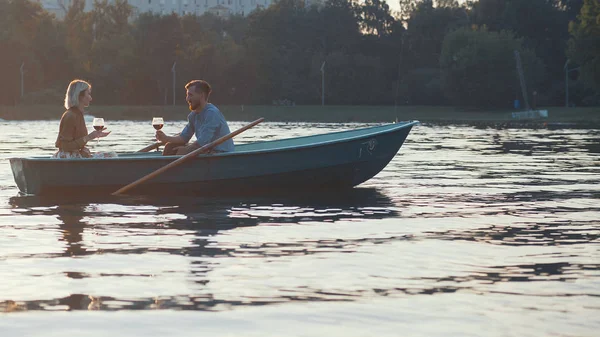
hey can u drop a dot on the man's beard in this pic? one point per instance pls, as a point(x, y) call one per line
point(193, 106)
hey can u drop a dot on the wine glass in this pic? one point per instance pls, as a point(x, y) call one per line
point(158, 122)
point(98, 124)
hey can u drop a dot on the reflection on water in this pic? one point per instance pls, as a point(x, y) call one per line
point(200, 220)
point(466, 224)
point(71, 227)
point(539, 234)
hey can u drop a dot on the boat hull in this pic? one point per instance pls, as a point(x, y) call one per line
point(343, 160)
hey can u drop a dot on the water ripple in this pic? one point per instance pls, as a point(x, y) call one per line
point(466, 222)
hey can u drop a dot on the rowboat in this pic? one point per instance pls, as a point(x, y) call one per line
point(327, 161)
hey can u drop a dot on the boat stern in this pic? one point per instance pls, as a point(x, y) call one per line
point(27, 180)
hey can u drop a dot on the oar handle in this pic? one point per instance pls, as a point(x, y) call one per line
point(188, 156)
point(152, 147)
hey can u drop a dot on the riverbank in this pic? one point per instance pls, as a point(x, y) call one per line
point(432, 114)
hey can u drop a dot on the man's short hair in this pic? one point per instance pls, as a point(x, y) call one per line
point(199, 86)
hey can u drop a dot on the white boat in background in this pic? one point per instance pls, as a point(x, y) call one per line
point(530, 114)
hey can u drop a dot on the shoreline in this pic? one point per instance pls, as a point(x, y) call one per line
point(324, 114)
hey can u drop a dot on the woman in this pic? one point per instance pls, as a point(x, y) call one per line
point(73, 134)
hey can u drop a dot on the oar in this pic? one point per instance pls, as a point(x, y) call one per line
point(152, 147)
point(186, 157)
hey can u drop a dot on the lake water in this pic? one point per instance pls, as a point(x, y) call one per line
point(467, 232)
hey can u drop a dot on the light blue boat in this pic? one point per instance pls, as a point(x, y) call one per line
point(328, 161)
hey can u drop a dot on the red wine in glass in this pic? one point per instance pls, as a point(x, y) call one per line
point(157, 123)
point(98, 124)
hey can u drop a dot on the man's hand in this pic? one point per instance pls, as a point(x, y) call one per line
point(183, 150)
point(161, 137)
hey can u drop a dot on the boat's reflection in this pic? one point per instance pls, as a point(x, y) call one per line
point(199, 220)
point(205, 213)
point(205, 217)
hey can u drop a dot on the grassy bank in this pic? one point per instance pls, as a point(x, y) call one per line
point(307, 113)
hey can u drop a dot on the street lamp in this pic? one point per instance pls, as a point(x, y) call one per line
point(22, 69)
point(323, 83)
point(173, 72)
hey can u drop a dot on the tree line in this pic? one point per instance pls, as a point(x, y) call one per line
point(428, 53)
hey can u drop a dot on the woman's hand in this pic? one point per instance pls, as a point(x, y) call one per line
point(98, 134)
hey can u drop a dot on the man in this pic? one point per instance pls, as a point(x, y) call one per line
point(205, 121)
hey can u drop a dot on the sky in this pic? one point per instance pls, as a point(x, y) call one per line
point(394, 4)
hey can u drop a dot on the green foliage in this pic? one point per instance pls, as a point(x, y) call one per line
point(375, 18)
point(584, 46)
point(478, 68)
point(423, 86)
point(427, 27)
point(25, 31)
point(372, 55)
point(541, 23)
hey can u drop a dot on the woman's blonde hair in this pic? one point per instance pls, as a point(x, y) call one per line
point(74, 91)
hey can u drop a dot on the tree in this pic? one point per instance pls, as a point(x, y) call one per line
point(372, 55)
point(584, 45)
point(341, 30)
point(542, 23)
point(478, 67)
point(112, 50)
point(79, 30)
point(27, 32)
point(157, 41)
point(375, 17)
point(427, 27)
point(572, 8)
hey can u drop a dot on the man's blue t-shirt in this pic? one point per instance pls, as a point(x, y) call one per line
point(208, 125)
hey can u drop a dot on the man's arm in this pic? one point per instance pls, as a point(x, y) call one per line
point(205, 134)
point(187, 149)
point(181, 138)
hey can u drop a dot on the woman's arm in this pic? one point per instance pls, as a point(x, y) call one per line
point(67, 131)
point(66, 134)
point(73, 145)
